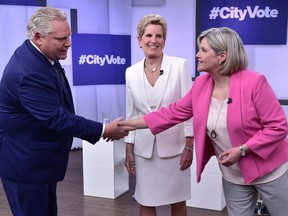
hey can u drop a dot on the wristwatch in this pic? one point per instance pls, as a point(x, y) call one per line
point(242, 151)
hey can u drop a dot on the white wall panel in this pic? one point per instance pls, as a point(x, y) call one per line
point(13, 22)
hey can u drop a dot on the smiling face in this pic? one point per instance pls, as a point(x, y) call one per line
point(55, 45)
point(152, 41)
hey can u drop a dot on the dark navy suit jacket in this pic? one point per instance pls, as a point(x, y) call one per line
point(37, 120)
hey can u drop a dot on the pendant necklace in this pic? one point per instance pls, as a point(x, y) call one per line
point(213, 133)
point(152, 70)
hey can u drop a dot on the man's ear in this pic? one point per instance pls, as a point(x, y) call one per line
point(37, 39)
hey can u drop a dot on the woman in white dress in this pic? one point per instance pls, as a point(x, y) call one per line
point(160, 162)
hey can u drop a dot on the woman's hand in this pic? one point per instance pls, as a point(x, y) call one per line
point(230, 156)
point(187, 155)
point(129, 159)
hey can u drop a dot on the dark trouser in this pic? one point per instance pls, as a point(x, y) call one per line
point(31, 199)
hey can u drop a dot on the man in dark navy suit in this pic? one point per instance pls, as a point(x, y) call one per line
point(37, 118)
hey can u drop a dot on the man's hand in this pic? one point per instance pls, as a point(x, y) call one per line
point(115, 130)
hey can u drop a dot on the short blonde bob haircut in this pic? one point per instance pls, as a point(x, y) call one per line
point(154, 19)
point(226, 39)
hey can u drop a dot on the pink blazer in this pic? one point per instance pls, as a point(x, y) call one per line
point(254, 117)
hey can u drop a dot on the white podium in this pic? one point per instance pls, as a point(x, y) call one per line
point(104, 172)
point(208, 194)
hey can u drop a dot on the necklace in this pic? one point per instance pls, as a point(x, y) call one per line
point(152, 70)
point(213, 133)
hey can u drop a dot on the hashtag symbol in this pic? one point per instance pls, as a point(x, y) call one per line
point(82, 59)
point(214, 13)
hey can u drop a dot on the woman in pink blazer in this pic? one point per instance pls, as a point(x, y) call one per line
point(237, 117)
point(160, 162)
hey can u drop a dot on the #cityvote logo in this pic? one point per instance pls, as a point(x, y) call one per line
point(257, 21)
point(241, 14)
point(99, 59)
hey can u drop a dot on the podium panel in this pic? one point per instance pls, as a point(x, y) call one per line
point(208, 194)
point(104, 171)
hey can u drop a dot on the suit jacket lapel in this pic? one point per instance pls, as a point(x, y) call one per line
point(163, 80)
point(141, 85)
point(64, 85)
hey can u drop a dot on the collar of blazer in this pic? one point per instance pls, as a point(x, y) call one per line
point(163, 82)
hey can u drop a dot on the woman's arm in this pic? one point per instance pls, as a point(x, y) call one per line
point(138, 123)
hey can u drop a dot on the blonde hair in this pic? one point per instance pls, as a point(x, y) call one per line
point(41, 20)
point(154, 19)
point(226, 39)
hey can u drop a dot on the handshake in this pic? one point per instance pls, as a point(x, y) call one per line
point(116, 130)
